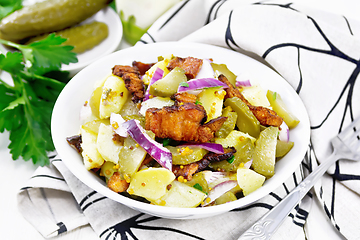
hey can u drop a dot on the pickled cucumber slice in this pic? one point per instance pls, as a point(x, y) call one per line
point(47, 16)
point(82, 38)
point(246, 121)
point(281, 109)
point(282, 148)
point(168, 85)
point(228, 125)
point(186, 155)
point(226, 197)
point(264, 154)
point(243, 154)
point(199, 182)
point(223, 69)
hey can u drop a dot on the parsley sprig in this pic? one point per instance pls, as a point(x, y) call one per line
point(26, 105)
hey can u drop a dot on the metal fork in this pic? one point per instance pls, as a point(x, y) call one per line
point(346, 145)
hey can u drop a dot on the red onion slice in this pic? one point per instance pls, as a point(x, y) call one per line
point(161, 154)
point(219, 190)
point(284, 134)
point(243, 83)
point(212, 147)
point(201, 83)
point(158, 74)
point(116, 121)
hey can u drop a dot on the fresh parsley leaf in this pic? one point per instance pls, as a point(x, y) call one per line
point(198, 186)
point(45, 55)
point(26, 106)
point(9, 6)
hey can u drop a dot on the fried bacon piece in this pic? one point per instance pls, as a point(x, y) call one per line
point(184, 97)
point(142, 67)
point(117, 184)
point(133, 83)
point(187, 171)
point(191, 65)
point(75, 142)
point(266, 117)
point(183, 122)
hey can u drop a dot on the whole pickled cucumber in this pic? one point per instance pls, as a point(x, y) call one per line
point(47, 16)
point(83, 37)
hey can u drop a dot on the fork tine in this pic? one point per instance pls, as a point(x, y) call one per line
point(349, 130)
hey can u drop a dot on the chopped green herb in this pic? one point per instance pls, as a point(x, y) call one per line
point(166, 142)
point(198, 186)
point(274, 96)
point(231, 160)
point(184, 84)
point(198, 103)
point(26, 106)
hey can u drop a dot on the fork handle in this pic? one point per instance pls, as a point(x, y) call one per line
point(266, 226)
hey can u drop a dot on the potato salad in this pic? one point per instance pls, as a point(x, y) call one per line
point(182, 132)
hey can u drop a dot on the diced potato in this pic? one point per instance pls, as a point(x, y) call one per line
point(113, 97)
point(168, 85)
point(181, 195)
point(264, 154)
point(156, 102)
point(94, 101)
point(130, 157)
point(161, 64)
point(92, 157)
point(234, 138)
point(212, 100)
point(279, 106)
point(256, 96)
point(93, 126)
point(129, 108)
point(107, 147)
point(151, 183)
point(249, 180)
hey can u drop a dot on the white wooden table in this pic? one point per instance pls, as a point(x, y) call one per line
point(15, 174)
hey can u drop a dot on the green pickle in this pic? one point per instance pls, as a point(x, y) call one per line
point(243, 154)
point(223, 69)
point(83, 37)
point(226, 197)
point(47, 16)
point(168, 85)
point(246, 121)
point(198, 181)
point(186, 155)
point(228, 125)
point(282, 148)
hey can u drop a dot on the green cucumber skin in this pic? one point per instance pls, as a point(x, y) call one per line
point(47, 16)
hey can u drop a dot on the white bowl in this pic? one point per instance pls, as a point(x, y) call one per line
point(66, 122)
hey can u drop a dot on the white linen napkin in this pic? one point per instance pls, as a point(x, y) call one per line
point(316, 52)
